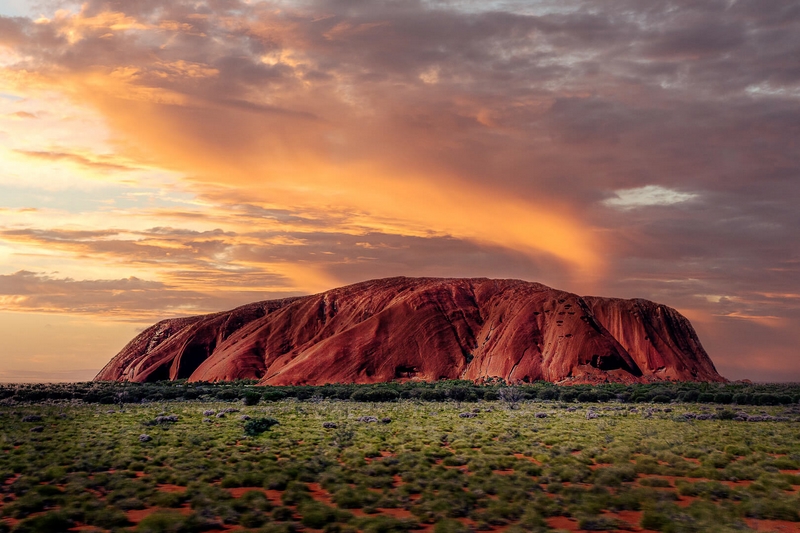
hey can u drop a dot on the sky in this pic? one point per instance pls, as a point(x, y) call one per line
point(170, 158)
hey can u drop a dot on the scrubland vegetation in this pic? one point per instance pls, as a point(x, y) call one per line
point(454, 465)
point(111, 393)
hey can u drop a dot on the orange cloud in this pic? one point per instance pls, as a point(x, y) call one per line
point(294, 132)
point(361, 140)
point(75, 26)
point(256, 153)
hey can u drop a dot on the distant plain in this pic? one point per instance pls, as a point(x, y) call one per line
point(408, 465)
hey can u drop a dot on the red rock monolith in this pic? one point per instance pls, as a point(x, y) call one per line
point(423, 329)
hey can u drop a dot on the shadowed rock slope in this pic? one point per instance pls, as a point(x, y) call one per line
point(423, 329)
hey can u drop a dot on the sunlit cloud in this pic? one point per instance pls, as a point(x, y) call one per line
point(97, 163)
point(648, 196)
point(181, 157)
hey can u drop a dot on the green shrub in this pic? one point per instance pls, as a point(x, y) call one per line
point(168, 499)
point(737, 450)
point(726, 414)
point(106, 518)
point(587, 397)
point(251, 519)
point(257, 426)
point(691, 396)
point(227, 395)
point(598, 523)
point(273, 395)
point(723, 397)
point(52, 522)
point(742, 399)
point(295, 493)
point(567, 395)
point(348, 498)
point(490, 396)
point(378, 394)
point(434, 395)
point(772, 508)
point(654, 482)
point(282, 514)
point(461, 394)
point(765, 399)
point(654, 520)
point(229, 482)
point(171, 522)
point(450, 526)
point(316, 515)
point(384, 524)
point(614, 476)
point(252, 398)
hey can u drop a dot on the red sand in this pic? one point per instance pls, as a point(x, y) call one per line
point(137, 515)
point(272, 495)
point(320, 494)
point(781, 526)
point(168, 487)
point(686, 501)
point(526, 458)
point(562, 522)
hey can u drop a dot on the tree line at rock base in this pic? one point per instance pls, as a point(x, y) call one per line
point(248, 392)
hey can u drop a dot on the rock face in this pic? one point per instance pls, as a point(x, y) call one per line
point(423, 329)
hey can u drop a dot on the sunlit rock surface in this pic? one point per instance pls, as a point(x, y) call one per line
point(423, 329)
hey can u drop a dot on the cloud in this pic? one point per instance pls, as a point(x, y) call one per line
point(75, 158)
point(47, 376)
point(618, 148)
point(649, 195)
point(129, 299)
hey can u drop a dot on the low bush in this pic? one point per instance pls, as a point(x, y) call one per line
point(257, 426)
point(252, 398)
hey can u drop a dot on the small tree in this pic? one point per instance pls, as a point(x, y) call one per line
point(511, 396)
point(343, 436)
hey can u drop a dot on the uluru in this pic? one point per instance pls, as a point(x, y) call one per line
point(424, 329)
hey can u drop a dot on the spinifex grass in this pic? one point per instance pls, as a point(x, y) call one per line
point(400, 466)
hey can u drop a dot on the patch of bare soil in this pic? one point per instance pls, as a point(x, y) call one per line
point(669, 479)
point(273, 496)
point(526, 458)
point(13, 479)
point(778, 526)
point(686, 501)
point(137, 515)
point(742, 483)
point(320, 494)
point(168, 487)
point(562, 522)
